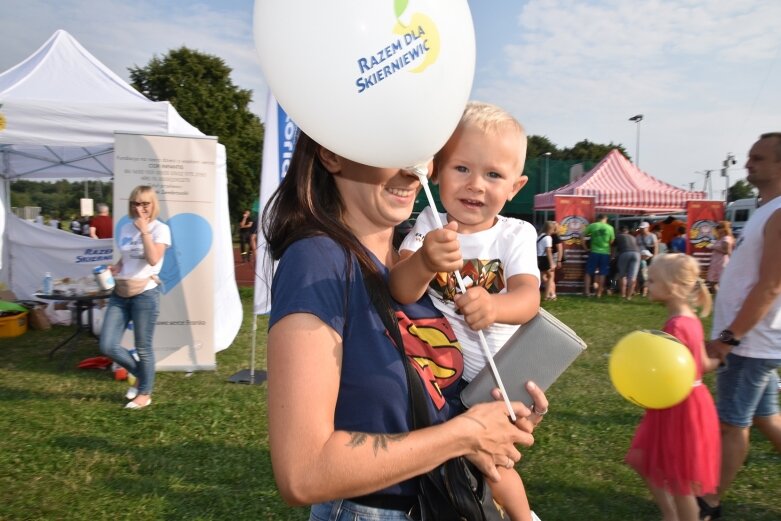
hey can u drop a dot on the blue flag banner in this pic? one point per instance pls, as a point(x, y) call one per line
point(278, 143)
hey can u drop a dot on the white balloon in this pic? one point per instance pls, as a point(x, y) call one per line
point(382, 83)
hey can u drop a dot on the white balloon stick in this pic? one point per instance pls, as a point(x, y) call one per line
point(422, 172)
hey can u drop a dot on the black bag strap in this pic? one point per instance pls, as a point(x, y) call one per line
point(380, 298)
point(456, 489)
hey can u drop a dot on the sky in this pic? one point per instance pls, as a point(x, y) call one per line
point(703, 73)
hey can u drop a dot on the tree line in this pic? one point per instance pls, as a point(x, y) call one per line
point(61, 199)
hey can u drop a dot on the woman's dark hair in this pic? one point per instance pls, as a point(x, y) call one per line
point(307, 203)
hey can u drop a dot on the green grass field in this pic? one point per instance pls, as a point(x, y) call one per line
point(69, 451)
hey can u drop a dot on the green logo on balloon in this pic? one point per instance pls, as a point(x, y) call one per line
point(419, 26)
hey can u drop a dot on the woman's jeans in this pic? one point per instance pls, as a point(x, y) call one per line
point(143, 310)
point(344, 510)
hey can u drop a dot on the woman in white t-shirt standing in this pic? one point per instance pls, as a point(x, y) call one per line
point(141, 244)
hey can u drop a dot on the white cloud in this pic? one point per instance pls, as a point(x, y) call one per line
point(577, 70)
point(128, 34)
point(703, 72)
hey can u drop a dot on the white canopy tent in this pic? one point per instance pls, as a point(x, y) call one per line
point(59, 110)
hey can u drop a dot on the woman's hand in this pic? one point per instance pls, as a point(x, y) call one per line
point(500, 451)
point(142, 224)
point(493, 436)
point(539, 408)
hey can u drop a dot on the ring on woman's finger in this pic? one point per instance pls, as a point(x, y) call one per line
point(539, 413)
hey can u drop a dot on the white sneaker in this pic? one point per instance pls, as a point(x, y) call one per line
point(131, 393)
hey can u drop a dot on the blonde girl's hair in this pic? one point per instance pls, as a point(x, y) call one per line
point(146, 193)
point(681, 274)
point(492, 119)
point(550, 227)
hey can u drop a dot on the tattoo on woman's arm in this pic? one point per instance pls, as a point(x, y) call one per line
point(379, 441)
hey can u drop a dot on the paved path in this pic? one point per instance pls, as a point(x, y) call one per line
point(245, 271)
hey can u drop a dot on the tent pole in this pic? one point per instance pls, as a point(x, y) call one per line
point(252, 349)
point(249, 376)
point(5, 258)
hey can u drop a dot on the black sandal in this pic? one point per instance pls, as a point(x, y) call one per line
point(708, 512)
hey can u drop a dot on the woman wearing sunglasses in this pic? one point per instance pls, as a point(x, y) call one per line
point(141, 243)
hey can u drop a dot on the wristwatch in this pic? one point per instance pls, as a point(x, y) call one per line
point(728, 337)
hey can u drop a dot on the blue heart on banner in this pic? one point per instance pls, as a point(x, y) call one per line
point(191, 240)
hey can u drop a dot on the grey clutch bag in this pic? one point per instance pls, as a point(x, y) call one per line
point(540, 351)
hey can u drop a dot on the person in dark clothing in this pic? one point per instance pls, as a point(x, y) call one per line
point(246, 227)
point(627, 254)
point(678, 244)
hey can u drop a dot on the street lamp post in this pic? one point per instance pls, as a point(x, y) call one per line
point(547, 165)
point(725, 174)
point(637, 119)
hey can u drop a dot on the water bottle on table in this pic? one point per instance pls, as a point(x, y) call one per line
point(48, 284)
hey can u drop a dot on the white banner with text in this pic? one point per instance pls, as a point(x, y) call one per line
point(182, 172)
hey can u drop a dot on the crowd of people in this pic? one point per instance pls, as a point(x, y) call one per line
point(618, 263)
point(98, 226)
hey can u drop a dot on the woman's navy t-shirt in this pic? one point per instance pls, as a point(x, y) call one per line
point(312, 278)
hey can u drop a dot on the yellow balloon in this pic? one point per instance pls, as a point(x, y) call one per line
point(652, 369)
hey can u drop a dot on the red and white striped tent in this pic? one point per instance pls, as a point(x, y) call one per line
point(621, 188)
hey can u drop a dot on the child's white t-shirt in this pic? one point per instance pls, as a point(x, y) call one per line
point(491, 257)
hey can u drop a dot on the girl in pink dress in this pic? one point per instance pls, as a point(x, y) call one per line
point(678, 450)
point(720, 252)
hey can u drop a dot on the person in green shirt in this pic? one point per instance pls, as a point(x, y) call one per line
point(599, 237)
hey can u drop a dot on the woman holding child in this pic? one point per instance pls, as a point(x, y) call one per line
point(339, 426)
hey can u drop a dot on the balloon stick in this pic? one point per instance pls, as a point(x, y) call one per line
point(422, 172)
